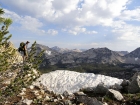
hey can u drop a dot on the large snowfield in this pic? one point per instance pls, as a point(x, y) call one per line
point(64, 80)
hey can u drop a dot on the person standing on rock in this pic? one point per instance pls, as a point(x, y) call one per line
point(23, 50)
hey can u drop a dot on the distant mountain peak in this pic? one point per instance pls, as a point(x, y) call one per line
point(135, 53)
point(42, 46)
point(75, 56)
point(122, 53)
point(65, 50)
point(55, 47)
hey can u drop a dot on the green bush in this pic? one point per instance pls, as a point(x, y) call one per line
point(22, 80)
point(6, 52)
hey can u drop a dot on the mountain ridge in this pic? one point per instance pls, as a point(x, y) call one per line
point(65, 50)
point(92, 55)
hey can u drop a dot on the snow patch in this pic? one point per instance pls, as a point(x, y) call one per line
point(136, 59)
point(64, 80)
point(48, 52)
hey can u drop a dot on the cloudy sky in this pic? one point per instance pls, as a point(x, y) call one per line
point(75, 23)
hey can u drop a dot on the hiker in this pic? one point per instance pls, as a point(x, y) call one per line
point(23, 49)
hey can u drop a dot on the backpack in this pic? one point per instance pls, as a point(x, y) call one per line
point(21, 47)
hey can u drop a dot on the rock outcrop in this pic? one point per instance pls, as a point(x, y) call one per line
point(134, 85)
point(15, 62)
point(115, 94)
point(17, 56)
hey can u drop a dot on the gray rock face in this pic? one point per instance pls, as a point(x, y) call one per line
point(49, 53)
point(125, 83)
point(65, 50)
point(133, 57)
point(66, 94)
point(122, 53)
point(115, 94)
point(101, 89)
point(87, 100)
point(134, 86)
point(67, 102)
point(99, 55)
point(135, 53)
point(116, 87)
point(17, 58)
point(53, 56)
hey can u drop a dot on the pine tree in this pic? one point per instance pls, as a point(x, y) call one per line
point(34, 58)
point(6, 52)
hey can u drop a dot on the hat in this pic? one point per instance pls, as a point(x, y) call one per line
point(27, 42)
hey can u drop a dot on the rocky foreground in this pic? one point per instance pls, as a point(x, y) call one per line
point(127, 93)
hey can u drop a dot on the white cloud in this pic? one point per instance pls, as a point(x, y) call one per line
point(65, 6)
point(91, 32)
point(118, 24)
point(101, 12)
point(94, 44)
point(79, 30)
point(126, 32)
point(131, 15)
point(25, 22)
point(34, 7)
point(31, 24)
point(116, 6)
point(130, 33)
point(52, 32)
point(13, 15)
point(127, 37)
point(68, 13)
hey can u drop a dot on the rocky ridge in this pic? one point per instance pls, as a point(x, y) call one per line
point(133, 57)
point(100, 55)
point(65, 50)
point(100, 95)
point(122, 53)
point(96, 56)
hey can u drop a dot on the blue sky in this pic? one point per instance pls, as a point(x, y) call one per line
point(85, 24)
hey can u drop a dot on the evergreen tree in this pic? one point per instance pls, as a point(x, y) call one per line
point(6, 52)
